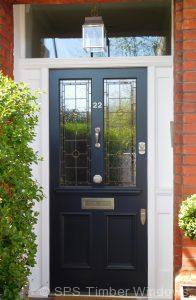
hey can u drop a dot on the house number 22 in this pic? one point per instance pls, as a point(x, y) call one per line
point(97, 105)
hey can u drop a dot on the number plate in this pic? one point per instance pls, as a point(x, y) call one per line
point(97, 105)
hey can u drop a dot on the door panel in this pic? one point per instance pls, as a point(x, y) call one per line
point(97, 119)
point(121, 230)
point(76, 229)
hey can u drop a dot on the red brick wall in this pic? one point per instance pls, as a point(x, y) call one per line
point(178, 128)
point(185, 133)
point(6, 38)
point(184, 102)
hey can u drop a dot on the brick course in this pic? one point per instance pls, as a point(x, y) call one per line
point(184, 108)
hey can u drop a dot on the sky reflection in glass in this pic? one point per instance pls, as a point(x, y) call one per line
point(118, 46)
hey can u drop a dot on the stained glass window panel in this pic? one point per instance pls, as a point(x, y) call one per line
point(75, 124)
point(120, 132)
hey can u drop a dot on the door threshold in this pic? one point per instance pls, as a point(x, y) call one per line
point(98, 297)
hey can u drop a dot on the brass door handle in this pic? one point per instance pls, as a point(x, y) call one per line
point(97, 135)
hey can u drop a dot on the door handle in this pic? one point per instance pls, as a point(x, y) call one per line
point(143, 216)
point(97, 136)
point(97, 179)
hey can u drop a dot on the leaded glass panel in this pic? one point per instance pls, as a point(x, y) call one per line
point(120, 132)
point(75, 124)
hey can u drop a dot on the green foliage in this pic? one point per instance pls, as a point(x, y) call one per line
point(121, 127)
point(119, 133)
point(187, 217)
point(18, 190)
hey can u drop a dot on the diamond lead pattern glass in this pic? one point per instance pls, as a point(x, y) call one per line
point(75, 123)
point(120, 132)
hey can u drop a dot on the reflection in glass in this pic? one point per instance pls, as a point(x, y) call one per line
point(138, 46)
point(117, 47)
point(120, 132)
point(134, 28)
point(75, 105)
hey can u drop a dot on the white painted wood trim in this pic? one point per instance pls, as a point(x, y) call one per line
point(151, 178)
point(45, 178)
point(19, 31)
point(36, 73)
point(105, 62)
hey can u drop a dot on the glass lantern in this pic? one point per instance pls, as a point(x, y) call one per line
point(94, 35)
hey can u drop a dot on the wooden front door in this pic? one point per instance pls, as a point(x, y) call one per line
point(98, 179)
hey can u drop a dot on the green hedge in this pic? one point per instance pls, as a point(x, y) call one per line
point(18, 189)
point(187, 217)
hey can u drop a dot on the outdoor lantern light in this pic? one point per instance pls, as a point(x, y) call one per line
point(94, 35)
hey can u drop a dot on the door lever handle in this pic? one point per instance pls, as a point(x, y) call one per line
point(97, 136)
point(143, 216)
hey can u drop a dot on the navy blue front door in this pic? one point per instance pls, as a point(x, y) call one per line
point(98, 179)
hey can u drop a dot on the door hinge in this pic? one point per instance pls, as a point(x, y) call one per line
point(143, 216)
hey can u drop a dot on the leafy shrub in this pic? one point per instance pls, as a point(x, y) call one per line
point(187, 217)
point(18, 190)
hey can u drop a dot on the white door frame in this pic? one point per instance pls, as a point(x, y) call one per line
point(160, 156)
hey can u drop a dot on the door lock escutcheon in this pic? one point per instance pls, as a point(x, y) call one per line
point(143, 216)
point(97, 137)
